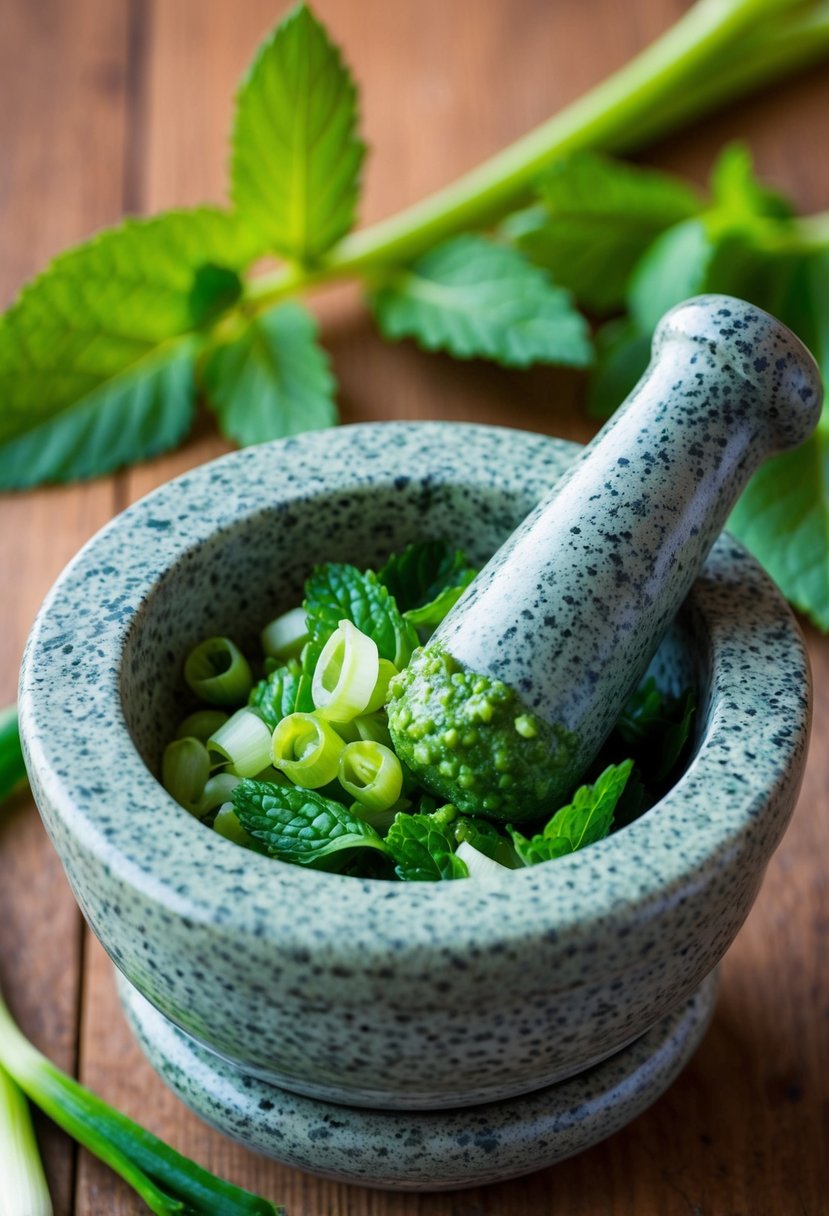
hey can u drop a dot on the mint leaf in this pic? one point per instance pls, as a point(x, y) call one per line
point(622, 354)
point(423, 847)
point(271, 378)
point(587, 819)
point(486, 838)
point(597, 217)
point(287, 690)
point(427, 579)
point(474, 298)
point(738, 193)
point(336, 592)
point(301, 826)
point(673, 268)
point(655, 727)
point(97, 354)
point(296, 157)
point(783, 515)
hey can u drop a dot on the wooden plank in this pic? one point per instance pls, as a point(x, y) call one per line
point(62, 133)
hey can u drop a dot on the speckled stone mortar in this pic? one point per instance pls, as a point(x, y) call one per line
point(373, 993)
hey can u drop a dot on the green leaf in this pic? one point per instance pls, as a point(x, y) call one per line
point(296, 157)
point(487, 839)
point(783, 515)
point(656, 728)
point(427, 579)
point(622, 355)
point(97, 354)
point(336, 592)
point(300, 825)
point(474, 298)
point(271, 378)
point(738, 193)
point(286, 690)
point(674, 268)
point(597, 218)
point(587, 819)
point(423, 847)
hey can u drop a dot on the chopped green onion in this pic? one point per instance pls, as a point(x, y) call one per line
point(227, 824)
point(185, 768)
point(12, 768)
point(244, 741)
point(217, 790)
point(374, 727)
point(23, 1189)
point(285, 637)
point(371, 773)
point(381, 821)
point(380, 693)
point(272, 775)
point(347, 731)
point(346, 674)
point(477, 863)
point(202, 724)
point(218, 672)
point(307, 750)
point(169, 1184)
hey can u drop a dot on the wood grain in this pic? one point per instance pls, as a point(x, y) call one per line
point(112, 105)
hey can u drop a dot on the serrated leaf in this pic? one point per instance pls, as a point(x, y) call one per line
point(300, 825)
point(674, 268)
point(477, 299)
point(622, 355)
point(286, 690)
point(337, 591)
point(427, 579)
point(597, 217)
point(783, 515)
point(96, 355)
point(423, 848)
point(296, 156)
point(737, 191)
point(586, 819)
point(271, 378)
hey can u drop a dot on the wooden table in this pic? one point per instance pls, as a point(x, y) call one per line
point(112, 106)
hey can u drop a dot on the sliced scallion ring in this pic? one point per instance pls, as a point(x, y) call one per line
point(284, 637)
point(218, 672)
point(201, 724)
point(217, 791)
point(307, 750)
point(371, 773)
point(346, 674)
point(185, 768)
point(374, 727)
point(243, 743)
point(227, 824)
point(380, 692)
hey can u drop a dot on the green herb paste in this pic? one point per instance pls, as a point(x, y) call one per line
point(470, 740)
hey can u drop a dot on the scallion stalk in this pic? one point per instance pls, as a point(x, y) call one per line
point(284, 637)
point(216, 792)
point(185, 768)
point(346, 674)
point(218, 672)
point(169, 1183)
point(12, 768)
point(227, 824)
point(380, 693)
point(23, 1189)
point(244, 742)
point(307, 750)
point(478, 864)
point(373, 727)
point(201, 724)
point(371, 773)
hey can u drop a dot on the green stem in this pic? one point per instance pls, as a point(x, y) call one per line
point(169, 1183)
point(812, 232)
point(617, 114)
point(12, 768)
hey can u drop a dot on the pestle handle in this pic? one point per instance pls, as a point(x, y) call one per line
point(569, 612)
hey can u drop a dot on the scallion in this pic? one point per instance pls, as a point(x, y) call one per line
point(23, 1189)
point(307, 750)
point(201, 724)
point(185, 768)
point(285, 637)
point(371, 773)
point(217, 791)
point(244, 742)
point(380, 692)
point(346, 674)
point(478, 864)
point(218, 672)
point(169, 1183)
point(227, 824)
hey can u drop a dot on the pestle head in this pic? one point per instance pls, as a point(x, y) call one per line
point(503, 711)
point(732, 343)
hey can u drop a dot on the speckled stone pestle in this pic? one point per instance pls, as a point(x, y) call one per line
point(510, 701)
